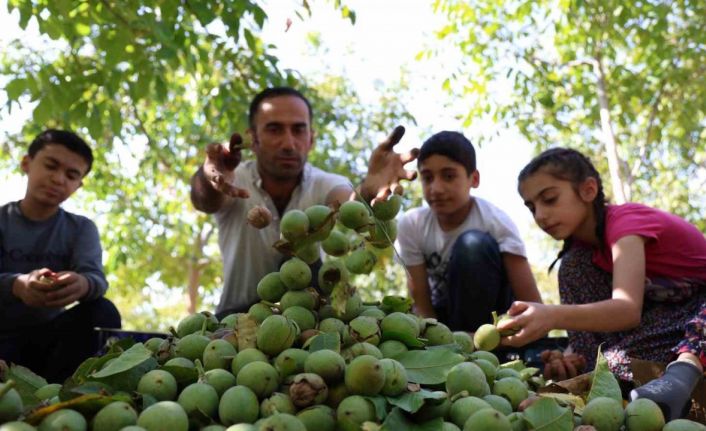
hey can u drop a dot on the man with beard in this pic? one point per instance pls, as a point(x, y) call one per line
point(279, 179)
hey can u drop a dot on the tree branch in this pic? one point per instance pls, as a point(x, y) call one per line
point(150, 140)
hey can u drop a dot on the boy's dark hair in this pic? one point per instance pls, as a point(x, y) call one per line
point(66, 138)
point(569, 165)
point(271, 92)
point(453, 145)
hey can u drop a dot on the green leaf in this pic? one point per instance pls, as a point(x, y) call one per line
point(429, 367)
point(82, 29)
point(517, 365)
point(42, 112)
point(411, 402)
point(127, 380)
point(527, 373)
point(95, 126)
point(15, 88)
point(250, 39)
point(604, 383)
point(90, 365)
point(325, 341)
point(26, 383)
point(68, 393)
point(116, 120)
point(380, 404)
point(87, 405)
point(547, 415)
point(576, 401)
point(131, 358)
point(397, 421)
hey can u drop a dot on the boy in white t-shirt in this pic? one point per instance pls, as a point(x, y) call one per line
point(464, 255)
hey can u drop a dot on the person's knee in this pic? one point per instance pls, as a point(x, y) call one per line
point(104, 313)
point(474, 245)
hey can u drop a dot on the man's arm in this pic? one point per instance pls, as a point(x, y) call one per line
point(521, 278)
point(87, 261)
point(419, 290)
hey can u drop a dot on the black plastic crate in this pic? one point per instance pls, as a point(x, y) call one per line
point(531, 352)
point(108, 336)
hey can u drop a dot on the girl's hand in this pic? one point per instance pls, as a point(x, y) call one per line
point(533, 320)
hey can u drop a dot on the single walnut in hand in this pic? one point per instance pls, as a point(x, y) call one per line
point(259, 217)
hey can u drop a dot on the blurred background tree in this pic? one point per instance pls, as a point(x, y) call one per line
point(152, 83)
point(622, 81)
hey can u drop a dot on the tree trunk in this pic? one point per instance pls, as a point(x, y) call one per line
point(620, 194)
point(193, 286)
point(197, 261)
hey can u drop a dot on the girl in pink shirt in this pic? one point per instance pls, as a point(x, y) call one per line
point(632, 278)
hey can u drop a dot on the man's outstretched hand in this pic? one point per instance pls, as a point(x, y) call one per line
point(220, 164)
point(386, 169)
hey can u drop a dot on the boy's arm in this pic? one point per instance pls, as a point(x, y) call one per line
point(7, 279)
point(521, 279)
point(419, 290)
point(87, 263)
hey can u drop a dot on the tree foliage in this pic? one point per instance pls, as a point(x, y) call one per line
point(592, 74)
point(151, 83)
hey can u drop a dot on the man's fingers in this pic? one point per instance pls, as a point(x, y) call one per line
point(213, 151)
point(232, 191)
point(236, 142)
point(381, 196)
point(409, 156)
point(231, 159)
point(393, 139)
point(410, 175)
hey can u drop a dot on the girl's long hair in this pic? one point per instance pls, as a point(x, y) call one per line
point(570, 165)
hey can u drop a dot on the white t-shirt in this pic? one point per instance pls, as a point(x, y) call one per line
point(420, 240)
point(247, 252)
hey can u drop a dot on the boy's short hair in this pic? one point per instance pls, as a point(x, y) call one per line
point(453, 145)
point(68, 139)
point(272, 92)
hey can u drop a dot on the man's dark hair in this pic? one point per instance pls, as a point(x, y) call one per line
point(68, 139)
point(271, 92)
point(453, 145)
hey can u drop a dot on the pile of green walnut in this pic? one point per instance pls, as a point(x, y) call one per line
point(306, 359)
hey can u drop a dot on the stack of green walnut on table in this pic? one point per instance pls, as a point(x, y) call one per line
point(306, 359)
